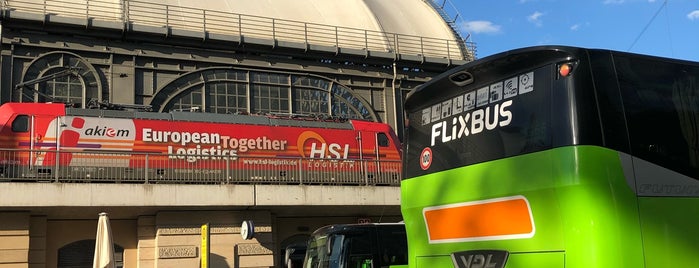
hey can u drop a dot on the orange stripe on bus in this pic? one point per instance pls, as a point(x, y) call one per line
point(501, 218)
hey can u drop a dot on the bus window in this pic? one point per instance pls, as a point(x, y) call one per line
point(21, 123)
point(317, 252)
point(662, 98)
point(325, 251)
point(360, 250)
point(335, 253)
point(394, 246)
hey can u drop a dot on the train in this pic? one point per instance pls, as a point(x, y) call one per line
point(56, 142)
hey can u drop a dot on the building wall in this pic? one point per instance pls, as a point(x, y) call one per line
point(154, 230)
point(126, 73)
point(166, 239)
point(60, 233)
point(14, 239)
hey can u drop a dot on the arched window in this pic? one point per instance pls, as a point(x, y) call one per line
point(80, 254)
point(60, 77)
point(64, 88)
point(228, 90)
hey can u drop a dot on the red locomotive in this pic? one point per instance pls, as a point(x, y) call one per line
point(55, 142)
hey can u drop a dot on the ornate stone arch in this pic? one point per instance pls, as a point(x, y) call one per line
point(214, 89)
point(59, 76)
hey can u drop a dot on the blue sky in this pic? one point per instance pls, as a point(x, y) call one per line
point(656, 27)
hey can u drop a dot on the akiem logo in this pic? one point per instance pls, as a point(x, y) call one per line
point(104, 131)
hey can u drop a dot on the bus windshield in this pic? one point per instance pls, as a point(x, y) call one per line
point(357, 246)
point(323, 250)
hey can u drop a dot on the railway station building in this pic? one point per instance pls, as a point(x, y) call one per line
point(313, 59)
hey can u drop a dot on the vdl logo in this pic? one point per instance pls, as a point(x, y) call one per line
point(480, 259)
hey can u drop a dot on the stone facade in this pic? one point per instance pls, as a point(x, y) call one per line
point(167, 239)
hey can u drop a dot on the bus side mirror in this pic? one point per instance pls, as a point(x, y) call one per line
point(287, 257)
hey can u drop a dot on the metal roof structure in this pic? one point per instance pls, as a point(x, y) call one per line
point(405, 17)
point(415, 30)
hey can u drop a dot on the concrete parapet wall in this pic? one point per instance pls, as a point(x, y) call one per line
point(118, 195)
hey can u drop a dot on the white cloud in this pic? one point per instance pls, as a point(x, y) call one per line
point(535, 18)
point(694, 15)
point(579, 26)
point(480, 26)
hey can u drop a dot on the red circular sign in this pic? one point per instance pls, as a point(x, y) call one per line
point(426, 158)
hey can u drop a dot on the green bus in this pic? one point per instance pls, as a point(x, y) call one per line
point(554, 156)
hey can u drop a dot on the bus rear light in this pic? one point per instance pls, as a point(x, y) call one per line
point(564, 69)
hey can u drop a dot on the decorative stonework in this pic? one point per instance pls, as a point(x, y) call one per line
point(224, 229)
point(179, 230)
point(212, 230)
point(253, 249)
point(177, 252)
point(261, 229)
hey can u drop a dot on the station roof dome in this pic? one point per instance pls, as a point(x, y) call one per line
point(410, 17)
point(405, 17)
point(412, 30)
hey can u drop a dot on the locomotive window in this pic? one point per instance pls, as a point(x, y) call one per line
point(21, 123)
point(382, 139)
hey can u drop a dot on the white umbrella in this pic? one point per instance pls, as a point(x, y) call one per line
point(104, 245)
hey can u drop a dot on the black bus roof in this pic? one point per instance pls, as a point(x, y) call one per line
point(526, 57)
point(344, 228)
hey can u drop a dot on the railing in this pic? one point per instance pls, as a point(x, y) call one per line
point(130, 12)
point(130, 167)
